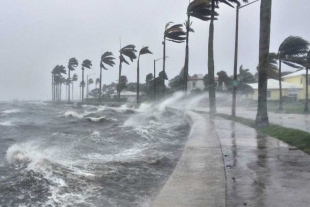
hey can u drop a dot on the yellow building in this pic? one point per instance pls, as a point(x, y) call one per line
point(273, 92)
point(299, 78)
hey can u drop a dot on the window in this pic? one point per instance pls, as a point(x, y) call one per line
point(268, 94)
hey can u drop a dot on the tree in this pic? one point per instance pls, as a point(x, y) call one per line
point(106, 58)
point(224, 78)
point(149, 82)
point(289, 49)
point(262, 119)
point(128, 51)
point(122, 84)
point(97, 82)
point(86, 64)
point(205, 10)
point(74, 78)
point(307, 81)
point(143, 51)
point(174, 34)
point(90, 81)
point(245, 76)
point(206, 81)
point(187, 25)
point(71, 67)
point(56, 78)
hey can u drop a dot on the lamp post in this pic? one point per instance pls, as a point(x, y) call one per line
point(155, 74)
point(235, 82)
point(87, 84)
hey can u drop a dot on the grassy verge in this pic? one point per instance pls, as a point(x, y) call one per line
point(297, 138)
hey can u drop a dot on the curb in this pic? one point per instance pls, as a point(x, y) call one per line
point(198, 180)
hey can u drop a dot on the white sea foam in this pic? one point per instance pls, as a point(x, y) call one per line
point(95, 134)
point(100, 119)
point(173, 99)
point(73, 114)
point(6, 123)
point(11, 111)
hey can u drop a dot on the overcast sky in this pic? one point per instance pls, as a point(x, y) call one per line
point(36, 35)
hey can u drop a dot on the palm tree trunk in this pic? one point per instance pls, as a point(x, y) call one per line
point(72, 90)
point(212, 101)
point(280, 87)
point(233, 110)
point(119, 79)
point(307, 91)
point(67, 90)
point(264, 44)
point(138, 80)
point(185, 75)
point(60, 91)
point(83, 83)
point(100, 85)
point(69, 85)
point(164, 64)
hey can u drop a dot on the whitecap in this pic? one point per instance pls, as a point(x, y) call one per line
point(11, 111)
point(6, 123)
point(100, 119)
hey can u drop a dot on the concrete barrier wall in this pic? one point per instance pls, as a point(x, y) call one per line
point(199, 177)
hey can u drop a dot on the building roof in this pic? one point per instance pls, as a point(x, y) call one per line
point(196, 77)
point(274, 84)
point(298, 73)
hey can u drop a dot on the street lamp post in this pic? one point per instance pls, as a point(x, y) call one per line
point(235, 82)
point(87, 84)
point(155, 74)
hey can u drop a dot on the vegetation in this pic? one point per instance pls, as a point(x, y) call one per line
point(262, 119)
point(130, 52)
point(73, 63)
point(106, 58)
point(290, 49)
point(74, 78)
point(143, 51)
point(86, 64)
point(297, 138)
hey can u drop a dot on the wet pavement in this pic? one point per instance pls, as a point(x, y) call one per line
point(261, 170)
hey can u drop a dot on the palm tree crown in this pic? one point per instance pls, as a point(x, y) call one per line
point(107, 58)
point(174, 33)
point(128, 51)
point(86, 64)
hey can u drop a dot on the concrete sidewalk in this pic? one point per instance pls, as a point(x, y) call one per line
point(262, 171)
point(229, 164)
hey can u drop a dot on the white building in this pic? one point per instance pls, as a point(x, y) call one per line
point(130, 96)
point(195, 82)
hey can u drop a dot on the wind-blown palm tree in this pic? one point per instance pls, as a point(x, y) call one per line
point(143, 51)
point(130, 52)
point(187, 25)
point(74, 78)
point(71, 67)
point(289, 49)
point(86, 64)
point(106, 58)
point(57, 71)
point(262, 119)
point(203, 9)
point(307, 81)
point(174, 34)
point(90, 81)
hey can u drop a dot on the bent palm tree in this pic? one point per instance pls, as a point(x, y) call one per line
point(106, 58)
point(74, 78)
point(289, 49)
point(175, 34)
point(143, 51)
point(187, 25)
point(71, 67)
point(128, 51)
point(86, 64)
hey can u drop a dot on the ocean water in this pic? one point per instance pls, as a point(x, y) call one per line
point(78, 155)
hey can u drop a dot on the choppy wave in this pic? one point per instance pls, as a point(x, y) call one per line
point(11, 111)
point(100, 119)
point(6, 123)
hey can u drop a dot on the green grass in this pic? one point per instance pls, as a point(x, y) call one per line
point(297, 138)
point(289, 108)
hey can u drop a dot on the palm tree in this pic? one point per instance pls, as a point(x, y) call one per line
point(90, 81)
point(128, 51)
point(71, 67)
point(82, 84)
point(56, 73)
point(291, 47)
point(143, 51)
point(307, 81)
point(187, 25)
point(74, 78)
point(86, 64)
point(175, 34)
point(97, 82)
point(106, 58)
point(201, 10)
point(262, 119)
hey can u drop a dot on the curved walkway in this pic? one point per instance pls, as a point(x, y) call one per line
point(199, 177)
point(225, 163)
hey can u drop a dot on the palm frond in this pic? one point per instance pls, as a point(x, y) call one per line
point(175, 33)
point(145, 50)
point(201, 9)
point(86, 64)
point(108, 59)
point(73, 62)
point(293, 46)
point(291, 64)
point(123, 60)
point(128, 51)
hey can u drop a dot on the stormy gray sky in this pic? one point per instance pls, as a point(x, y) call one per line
point(36, 35)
